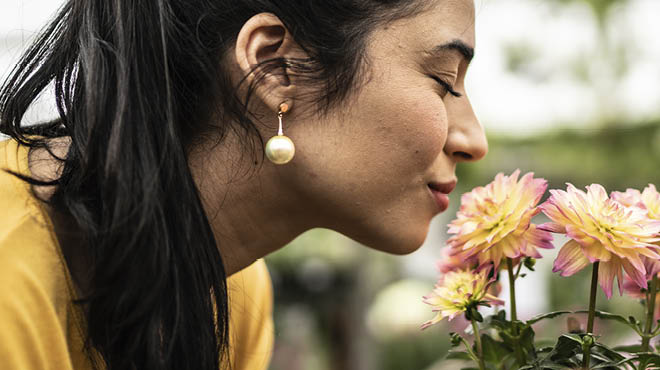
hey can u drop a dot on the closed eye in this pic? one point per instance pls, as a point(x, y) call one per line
point(446, 85)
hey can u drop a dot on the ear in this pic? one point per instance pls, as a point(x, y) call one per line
point(264, 37)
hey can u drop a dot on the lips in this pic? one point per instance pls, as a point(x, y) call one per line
point(440, 199)
point(443, 187)
point(440, 193)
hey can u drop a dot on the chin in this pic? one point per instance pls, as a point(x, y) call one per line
point(403, 241)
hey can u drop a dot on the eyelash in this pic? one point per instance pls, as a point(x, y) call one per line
point(447, 86)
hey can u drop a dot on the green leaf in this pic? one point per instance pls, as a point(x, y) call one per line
point(651, 358)
point(567, 346)
point(632, 348)
point(573, 337)
point(542, 350)
point(615, 365)
point(545, 316)
point(493, 351)
point(601, 358)
point(497, 322)
point(610, 316)
point(508, 362)
point(544, 366)
point(633, 320)
point(476, 315)
point(458, 355)
point(607, 351)
point(526, 340)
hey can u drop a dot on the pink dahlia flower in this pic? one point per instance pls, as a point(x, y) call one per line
point(651, 199)
point(604, 230)
point(456, 292)
point(629, 198)
point(449, 262)
point(494, 221)
point(649, 202)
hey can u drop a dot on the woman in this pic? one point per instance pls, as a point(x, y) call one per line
point(131, 239)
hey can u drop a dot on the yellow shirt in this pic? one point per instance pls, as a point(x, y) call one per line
point(40, 327)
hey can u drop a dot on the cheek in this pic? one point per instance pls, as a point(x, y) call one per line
point(377, 151)
point(427, 133)
point(416, 129)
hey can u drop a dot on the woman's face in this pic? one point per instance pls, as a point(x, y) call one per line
point(364, 169)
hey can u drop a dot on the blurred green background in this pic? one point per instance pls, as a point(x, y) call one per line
point(568, 89)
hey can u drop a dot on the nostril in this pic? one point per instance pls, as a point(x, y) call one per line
point(464, 155)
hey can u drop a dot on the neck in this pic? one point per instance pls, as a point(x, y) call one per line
point(250, 208)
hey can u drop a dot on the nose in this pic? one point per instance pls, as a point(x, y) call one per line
point(466, 139)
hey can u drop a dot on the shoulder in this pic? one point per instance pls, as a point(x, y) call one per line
point(31, 269)
point(33, 301)
point(250, 294)
point(251, 332)
point(36, 314)
point(27, 240)
point(251, 290)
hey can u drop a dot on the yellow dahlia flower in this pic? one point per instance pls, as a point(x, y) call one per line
point(456, 292)
point(651, 199)
point(629, 198)
point(494, 221)
point(649, 202)
point(601, 229)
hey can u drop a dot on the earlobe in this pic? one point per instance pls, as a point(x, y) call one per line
point(264, 38)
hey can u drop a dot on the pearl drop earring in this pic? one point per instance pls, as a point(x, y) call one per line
point(280, 149)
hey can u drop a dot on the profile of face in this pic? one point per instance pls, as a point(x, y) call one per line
point(364, 168)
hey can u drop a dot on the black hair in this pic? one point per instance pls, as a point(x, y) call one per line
point(136, 83)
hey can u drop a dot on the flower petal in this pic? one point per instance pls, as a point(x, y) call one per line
point(636, 275)
point(606, 273)
point(577, 234)
point(596, 193)
point(570, 259)
point(510, 247)
point(552, 227)
point(434, 320)
point(538, 237)
point(596, 252)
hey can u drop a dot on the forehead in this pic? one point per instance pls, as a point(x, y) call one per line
point(440, 22)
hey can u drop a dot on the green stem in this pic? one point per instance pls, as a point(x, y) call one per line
point(468, 347)
point(650, 309)
point(592, 310)
point(514, 314)
point(512, 289)
point(520, 265)
point(477, 341)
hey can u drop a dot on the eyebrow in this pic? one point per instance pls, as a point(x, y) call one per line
point(466, 51)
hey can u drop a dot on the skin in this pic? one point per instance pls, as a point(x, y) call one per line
point(363, 168)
